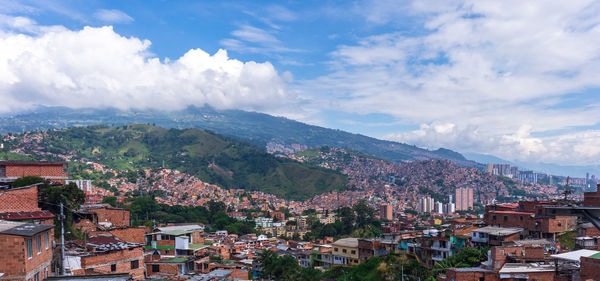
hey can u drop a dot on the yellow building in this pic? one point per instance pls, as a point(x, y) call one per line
point(345, 252)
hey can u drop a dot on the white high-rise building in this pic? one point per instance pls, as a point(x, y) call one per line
point(439, 208)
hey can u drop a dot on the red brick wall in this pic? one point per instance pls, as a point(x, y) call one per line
point(101, 263)
point(589, 231)
point(590, 269)
point(471, 276)
point(592, 199)
point(550, 225)
point(35, 170)
point(165, 268)
point(14, 259)
point(22, 199)
point(118, 217)
point(130, 234)
point(512, 220)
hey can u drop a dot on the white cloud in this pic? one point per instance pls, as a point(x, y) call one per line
point(252, 39)
point(482, 70)
point(96, 67)
point(112, 16)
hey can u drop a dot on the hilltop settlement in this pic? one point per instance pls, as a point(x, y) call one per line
point(66, 215)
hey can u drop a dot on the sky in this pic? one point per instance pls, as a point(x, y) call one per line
point(516, 79)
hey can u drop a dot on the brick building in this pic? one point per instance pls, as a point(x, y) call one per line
point(19, 199)
point(21, 204)
point(536, 217)
point(590, 268)
point(592, 199)
point(50, 171)
point(105, 253)
point(91, 216)
point(494, 236)
point(127, 234)
point(25, 250)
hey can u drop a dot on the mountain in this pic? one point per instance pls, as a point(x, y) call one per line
point(257, 128)
point(546, 168)
point(211, 157)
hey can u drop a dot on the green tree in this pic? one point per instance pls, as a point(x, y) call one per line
point(111, 200)
point(71, 196)
point(25, 181)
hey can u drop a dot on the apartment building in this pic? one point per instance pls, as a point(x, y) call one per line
point(345, 252)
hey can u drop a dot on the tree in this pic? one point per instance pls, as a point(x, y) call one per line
point(111, 200)
point(25, 181)
point(71, 196)
point(347, 218)
point(365, 215)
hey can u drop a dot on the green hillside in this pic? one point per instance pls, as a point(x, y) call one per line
point(256, 128)
point(210, 157)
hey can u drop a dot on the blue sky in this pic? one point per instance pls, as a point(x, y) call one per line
point(517, 80)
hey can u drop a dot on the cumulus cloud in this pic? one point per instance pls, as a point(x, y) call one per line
point(112, 16)
point(96, 67)
point(477, 74)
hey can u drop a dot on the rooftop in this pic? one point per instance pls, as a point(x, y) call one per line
point(346, 242)
point(31, 163)
point(574, 256)
point(526, 267)
point(26, 215)
point(498, 231)
point(22, 229)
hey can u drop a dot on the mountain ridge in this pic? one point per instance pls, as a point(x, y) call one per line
point(257, 128)
point(214, 159)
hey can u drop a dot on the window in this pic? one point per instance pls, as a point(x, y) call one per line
point(335, 249)
point(494, 217)
point(521, 217)
point(36, 277)
point(505, 218)
point(47, 240)
point(502, 252)
point(113, 267)
point(353, 252)
point(344, 250)
point(155, 268)
point(39, 243)
point(135, 264)
point(29, 248)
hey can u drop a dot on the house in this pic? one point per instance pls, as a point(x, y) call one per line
point(21, 204)
point(175, 240)
point(169, 266)
point(25, 250)
point(494, 236)
point(345, 252)
point(590, 267)
point(92, 216)
point(105, 254)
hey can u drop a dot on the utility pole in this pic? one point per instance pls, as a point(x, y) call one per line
point(62, 240)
